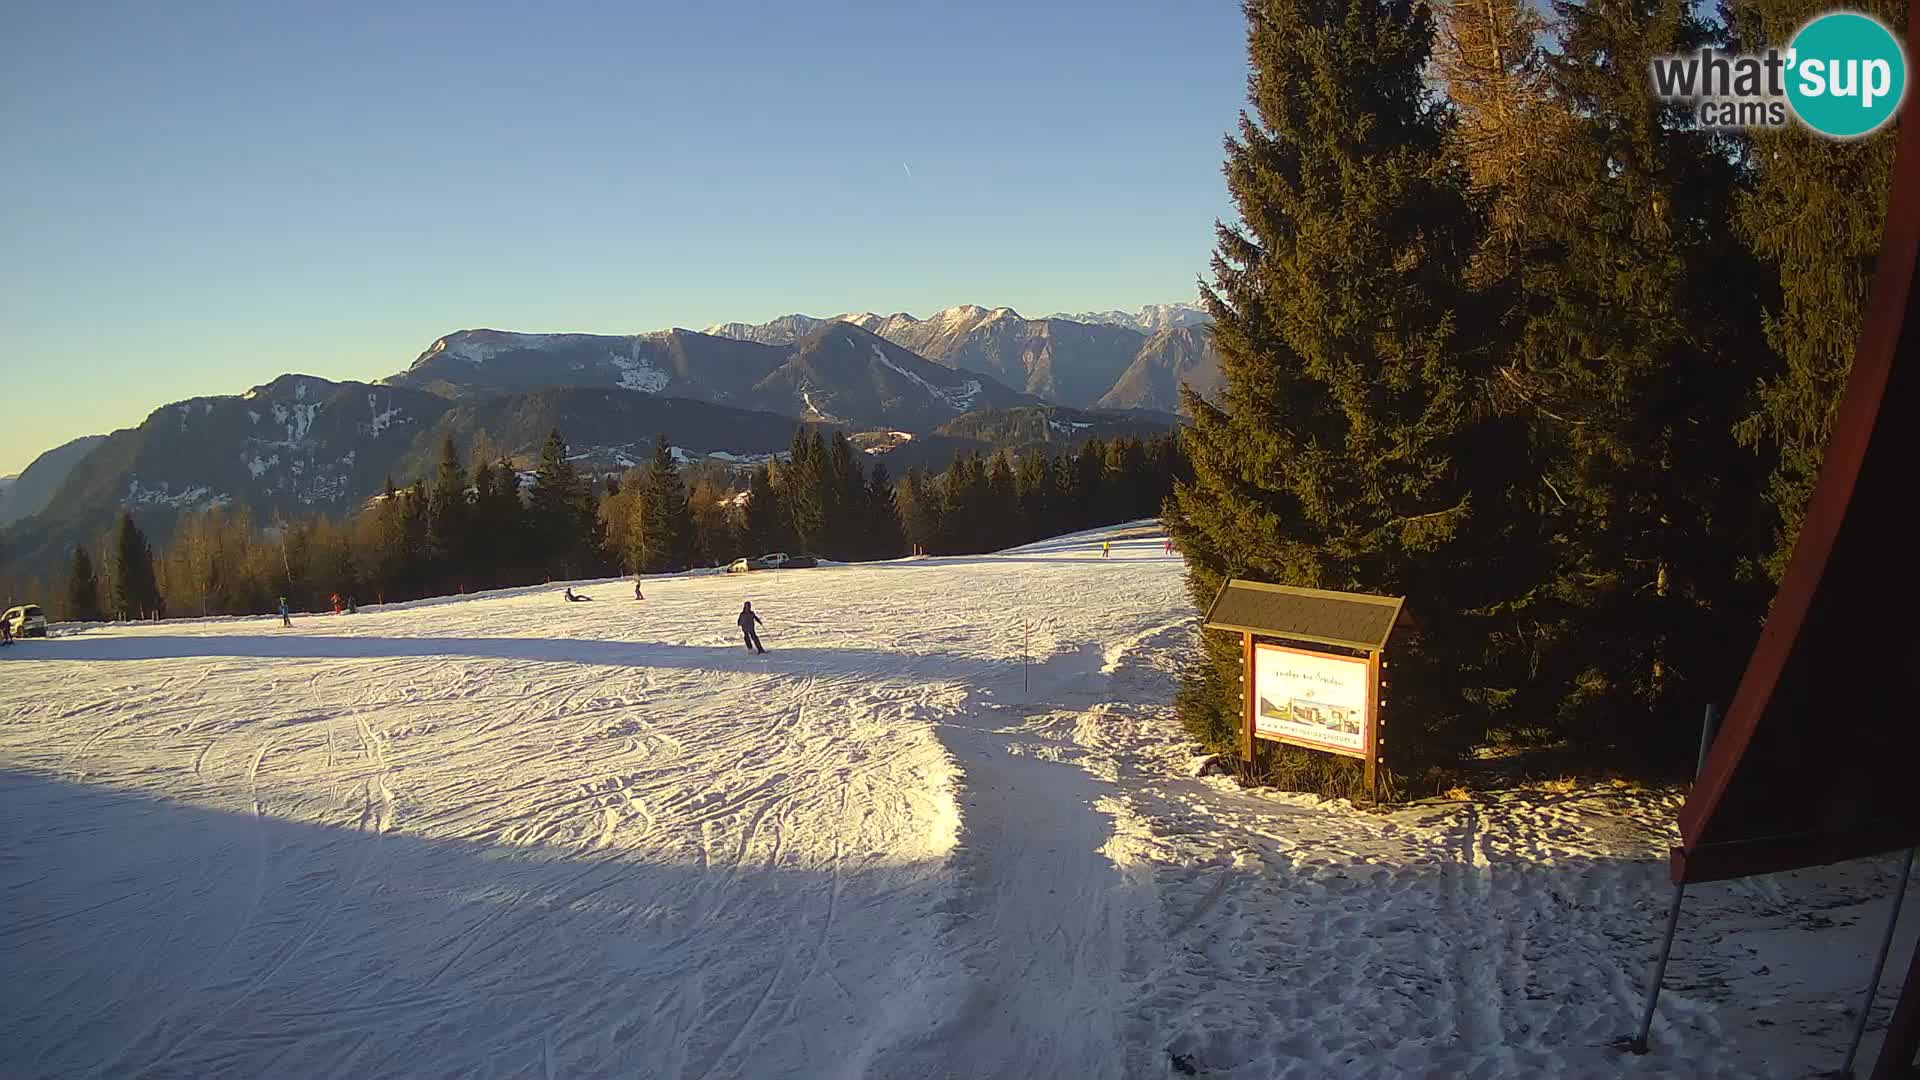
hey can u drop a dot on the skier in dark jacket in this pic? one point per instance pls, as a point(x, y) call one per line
point(286, 617)
point(746, 620)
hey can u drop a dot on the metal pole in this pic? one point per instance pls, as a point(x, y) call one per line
point(1879, 966)
point(1639, 1044)
point(1709, 726)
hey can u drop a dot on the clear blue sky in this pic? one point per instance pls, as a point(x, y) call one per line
point(196, 197)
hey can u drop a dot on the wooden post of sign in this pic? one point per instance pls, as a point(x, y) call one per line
point(1246, 676)
point(1373, 726)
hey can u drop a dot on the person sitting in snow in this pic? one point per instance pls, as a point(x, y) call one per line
point(746, 620)
point(571, 595)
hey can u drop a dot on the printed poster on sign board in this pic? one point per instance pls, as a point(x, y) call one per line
point(1310, 699)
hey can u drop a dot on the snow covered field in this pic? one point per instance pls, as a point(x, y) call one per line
point(504, 835)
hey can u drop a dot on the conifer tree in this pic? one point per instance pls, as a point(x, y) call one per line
point(1637, 352)
point(920, 511)
point(1813, 214)
point(1002, 527)
point(666, 517)
point(136, 592)
point(803, 490)
point(559, 512)
point(1036, 495)
point(1334, 455)
point(1085, 494)
point(499, 526)
point(415, 513)
point(844, 494)
point(768, 525)
point(967, 509)
point(83, 588)
point(885, 539)
point(1509, 121)
point(449, 519)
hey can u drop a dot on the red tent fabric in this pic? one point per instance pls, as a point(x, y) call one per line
point(1819, 754)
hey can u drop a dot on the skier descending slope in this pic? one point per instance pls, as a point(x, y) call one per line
point(746, 621)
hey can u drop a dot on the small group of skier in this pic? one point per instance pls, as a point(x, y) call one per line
point(746, 620)
point(342, 605)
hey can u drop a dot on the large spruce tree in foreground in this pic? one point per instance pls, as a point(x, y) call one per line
point(1638, 347)
point(1337, 456)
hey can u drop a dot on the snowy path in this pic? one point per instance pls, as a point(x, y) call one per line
point(508, 836)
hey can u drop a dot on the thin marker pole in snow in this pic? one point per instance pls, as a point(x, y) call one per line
point(1879, 966)
point(1639, 1044)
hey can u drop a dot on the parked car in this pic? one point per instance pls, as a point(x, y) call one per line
point(739, 566)
point(772, 561)
point(27, 620)
point(799, 562)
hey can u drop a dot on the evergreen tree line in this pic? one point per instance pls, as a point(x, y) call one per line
point(990, 502)
point(1532, 350)
point(461, 530)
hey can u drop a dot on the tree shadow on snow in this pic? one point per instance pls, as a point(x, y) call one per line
point(149, 936)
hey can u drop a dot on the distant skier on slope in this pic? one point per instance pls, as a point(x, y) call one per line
point(636, 590)
point(746, 621)
point(1106, 549)
point(337, 603)
point(286, 617)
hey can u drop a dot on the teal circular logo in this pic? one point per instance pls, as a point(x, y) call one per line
point(1846, 75)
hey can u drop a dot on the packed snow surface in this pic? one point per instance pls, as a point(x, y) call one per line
point(504, 835)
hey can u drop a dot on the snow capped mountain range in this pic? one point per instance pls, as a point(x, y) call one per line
point(1149, 320)
point(1079, 361)
point(301, 444)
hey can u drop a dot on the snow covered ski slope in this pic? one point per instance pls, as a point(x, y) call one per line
point(505, 835)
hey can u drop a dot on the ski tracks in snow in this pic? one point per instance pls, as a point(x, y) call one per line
point(944, 826)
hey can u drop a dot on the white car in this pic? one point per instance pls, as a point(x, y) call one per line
point(27, 620)
point(739, 566)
